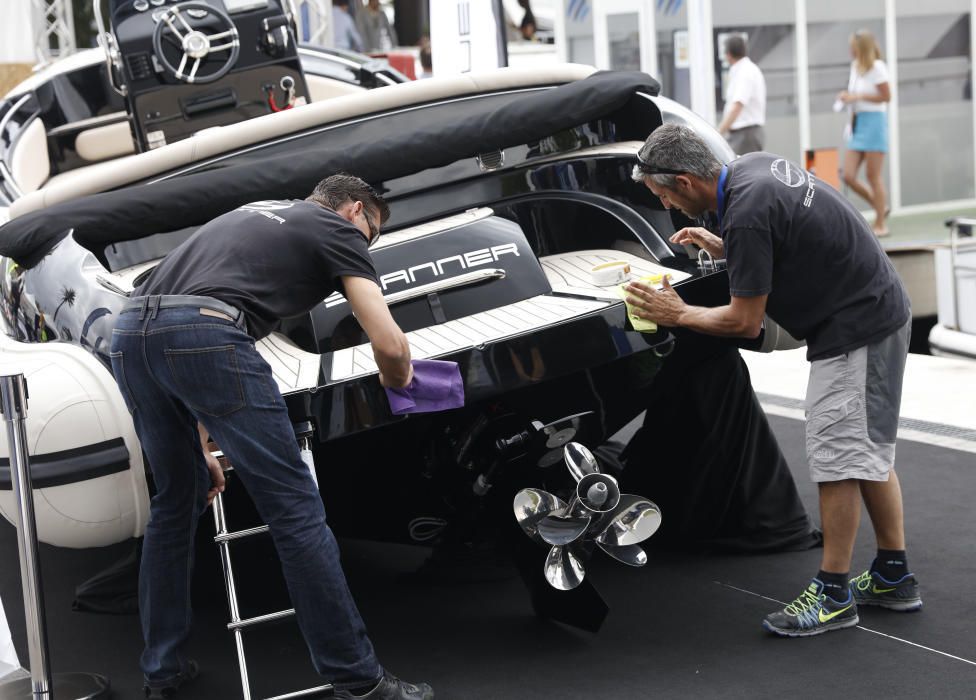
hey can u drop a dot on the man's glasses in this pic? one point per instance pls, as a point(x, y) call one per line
point(374, 232)
point(648, 169)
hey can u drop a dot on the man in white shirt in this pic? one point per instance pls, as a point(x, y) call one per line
point(745, 100)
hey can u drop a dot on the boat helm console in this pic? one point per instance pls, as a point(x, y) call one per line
point(187, 66)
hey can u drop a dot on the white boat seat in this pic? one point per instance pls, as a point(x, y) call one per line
point(30, 164)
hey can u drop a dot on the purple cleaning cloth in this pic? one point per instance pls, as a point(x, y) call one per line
point(436, 386)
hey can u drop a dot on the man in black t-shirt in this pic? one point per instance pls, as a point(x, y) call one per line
point(184, 358)
point(797, 250)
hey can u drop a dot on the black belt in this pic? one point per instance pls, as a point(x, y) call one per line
point(148, 305)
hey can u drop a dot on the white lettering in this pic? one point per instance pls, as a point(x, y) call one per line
point(413, 276)
point(334, 299)
point(267, 205)
point(478, 257)
point(472, 258)
point(440, 263)
point(398, 276)
point(506, 248)
point(808, 199)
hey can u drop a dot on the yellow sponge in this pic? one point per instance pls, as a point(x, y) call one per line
point(642, 325)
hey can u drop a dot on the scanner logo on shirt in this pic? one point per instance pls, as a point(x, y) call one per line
point(266, 206)
point(787, 173)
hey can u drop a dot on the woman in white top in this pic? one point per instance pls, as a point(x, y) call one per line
point(866, 96)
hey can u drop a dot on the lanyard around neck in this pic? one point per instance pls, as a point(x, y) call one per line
point(721, 192)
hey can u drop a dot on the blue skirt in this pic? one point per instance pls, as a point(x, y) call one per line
point(870, 132)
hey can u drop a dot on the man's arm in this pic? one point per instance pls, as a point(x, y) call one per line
point(390, 347)
point(734, 111)
point(742, 318)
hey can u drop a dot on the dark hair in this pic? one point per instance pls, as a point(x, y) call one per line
point(340, 3)
point(426, 60)
point(336, 190)
point(735, 46)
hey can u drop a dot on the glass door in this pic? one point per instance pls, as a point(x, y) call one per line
point(623, 35)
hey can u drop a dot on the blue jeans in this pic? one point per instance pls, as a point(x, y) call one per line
point(176, 366)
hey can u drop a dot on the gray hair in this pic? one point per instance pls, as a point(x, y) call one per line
point(675, 147)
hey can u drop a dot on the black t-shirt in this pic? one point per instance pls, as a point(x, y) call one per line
point(792, 236)
point(271, 259)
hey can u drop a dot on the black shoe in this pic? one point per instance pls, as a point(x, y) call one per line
point(812, 613)
point(391, 688)
point(191, 671)
point(871, 588)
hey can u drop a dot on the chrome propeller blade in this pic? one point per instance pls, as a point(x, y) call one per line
point(559, 530)
point(579, 460)
point(563, 569)
point(629, 554)
point(531, 506)
point(632, 521)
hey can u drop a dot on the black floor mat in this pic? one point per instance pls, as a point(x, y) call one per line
point(684, 626)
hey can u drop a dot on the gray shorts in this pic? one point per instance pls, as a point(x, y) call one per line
point(852, 409)
point(748, 139)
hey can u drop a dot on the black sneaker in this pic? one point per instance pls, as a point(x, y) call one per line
point(391, 688)
point(812, 613)
point(191, 671)
point(871, 588)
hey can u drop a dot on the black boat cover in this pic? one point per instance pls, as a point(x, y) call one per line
point(711, 460)
point(437, 138)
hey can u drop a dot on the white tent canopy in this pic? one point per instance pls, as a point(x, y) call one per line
point(17, 32)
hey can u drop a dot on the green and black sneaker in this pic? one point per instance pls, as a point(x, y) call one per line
point(812, 613)
point(871, 588)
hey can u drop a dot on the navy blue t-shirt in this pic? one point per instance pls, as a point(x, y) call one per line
point(272, 259)
point(794, 237)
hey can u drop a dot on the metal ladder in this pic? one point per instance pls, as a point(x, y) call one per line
point(223, 539)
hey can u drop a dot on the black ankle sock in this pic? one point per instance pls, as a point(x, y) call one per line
point(835, 585)
point(892, 564)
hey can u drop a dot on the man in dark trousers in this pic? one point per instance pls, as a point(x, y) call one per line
point(183, 355)
point(797, 250)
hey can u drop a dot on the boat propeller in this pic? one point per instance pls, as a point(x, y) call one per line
point(598, 515)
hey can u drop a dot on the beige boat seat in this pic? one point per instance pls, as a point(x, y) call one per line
point(30, 164)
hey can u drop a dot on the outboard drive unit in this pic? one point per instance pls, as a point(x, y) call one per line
point(187, 66)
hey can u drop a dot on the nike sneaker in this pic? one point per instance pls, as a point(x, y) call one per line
point(813, 612)
point(871, 588)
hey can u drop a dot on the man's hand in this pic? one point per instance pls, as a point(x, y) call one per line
point(385, 382)
point(213, 466)
point(216, 476)
point(702, 238)
point(662, 306)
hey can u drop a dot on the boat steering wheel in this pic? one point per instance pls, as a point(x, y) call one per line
point(195, 44)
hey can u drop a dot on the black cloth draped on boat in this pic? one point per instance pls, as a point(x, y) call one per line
point(707, 456)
